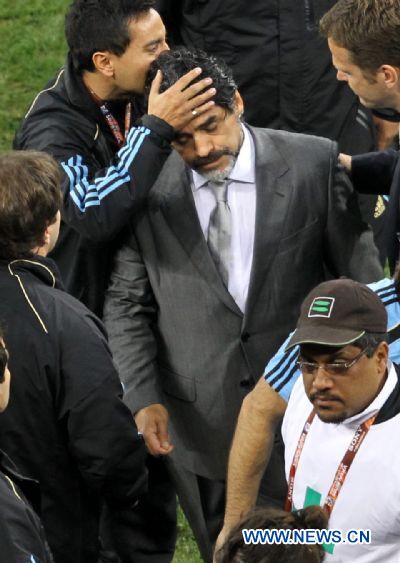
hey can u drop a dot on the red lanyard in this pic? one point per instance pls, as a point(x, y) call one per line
point(342, 470)
point(111, 121)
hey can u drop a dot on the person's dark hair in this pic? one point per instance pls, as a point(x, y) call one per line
point(100, 25)
point(369, 29)
point(177, 62)
point(371, 341)
point(30, 197)
point(234, 550)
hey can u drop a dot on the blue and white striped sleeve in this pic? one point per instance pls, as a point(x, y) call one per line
point(87, 193)
point(387, 292)
point(99, 202)
point(281, 372)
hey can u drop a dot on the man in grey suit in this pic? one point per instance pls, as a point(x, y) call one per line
point(192, 322)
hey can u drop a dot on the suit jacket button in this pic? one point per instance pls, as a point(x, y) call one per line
point(245, 336)
point(245, 383)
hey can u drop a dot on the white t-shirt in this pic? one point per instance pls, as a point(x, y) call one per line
point(370, 496)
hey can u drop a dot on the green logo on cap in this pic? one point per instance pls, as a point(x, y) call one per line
point(321, 307)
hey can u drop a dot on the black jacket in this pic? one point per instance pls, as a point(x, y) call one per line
point(283, 69)
point(280, 62)
point(379, 173)
point(66, 424)
point(101, 185)
point(22, 538)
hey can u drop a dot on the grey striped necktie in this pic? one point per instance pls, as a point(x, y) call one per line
point(220, 230)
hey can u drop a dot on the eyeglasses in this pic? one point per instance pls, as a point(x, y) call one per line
point(335, 368)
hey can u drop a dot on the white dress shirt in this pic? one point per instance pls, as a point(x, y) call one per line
point(242, 203)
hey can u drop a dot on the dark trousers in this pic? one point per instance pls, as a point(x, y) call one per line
point(203, 500)
point(145, 533)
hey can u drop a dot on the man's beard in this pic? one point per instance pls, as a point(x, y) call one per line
point(326, 416)
point(217, 175)
point(337, 419)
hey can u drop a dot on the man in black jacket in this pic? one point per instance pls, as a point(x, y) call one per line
point(21, 532)
point(369, 61)
point(66, 425)
point(87, 118)
point(22, 537)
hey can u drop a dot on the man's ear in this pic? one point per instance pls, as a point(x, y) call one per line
point(46, 237)
point(382, 354)
point(390, 75)
point(239, 106)
point(103, 63)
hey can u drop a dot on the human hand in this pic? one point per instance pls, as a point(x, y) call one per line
point(222, 536)
point(345, 161)
point(152, 422)
point(180, 103)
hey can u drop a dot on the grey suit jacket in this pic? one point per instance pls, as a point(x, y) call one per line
point(178, 336)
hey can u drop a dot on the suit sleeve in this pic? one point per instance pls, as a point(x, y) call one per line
point(349, 245)
point(99, 201)
point(372, 173)
point(130, 315)
point(101, 432)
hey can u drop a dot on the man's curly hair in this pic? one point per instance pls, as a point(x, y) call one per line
point(177, 62)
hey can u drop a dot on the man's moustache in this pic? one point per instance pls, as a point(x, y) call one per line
point(315, 396)
point(212, 157)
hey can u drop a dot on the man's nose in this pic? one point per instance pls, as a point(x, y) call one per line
point(203, 144)
point(342, 76)
point(322, 379)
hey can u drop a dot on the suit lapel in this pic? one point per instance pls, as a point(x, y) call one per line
point(272, 178)
point(179, 210)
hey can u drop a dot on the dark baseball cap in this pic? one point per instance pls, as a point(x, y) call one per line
point(337, 313)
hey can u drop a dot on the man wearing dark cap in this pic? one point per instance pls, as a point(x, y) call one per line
point(336, 317)
point(341, 420)
point(264, 407)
